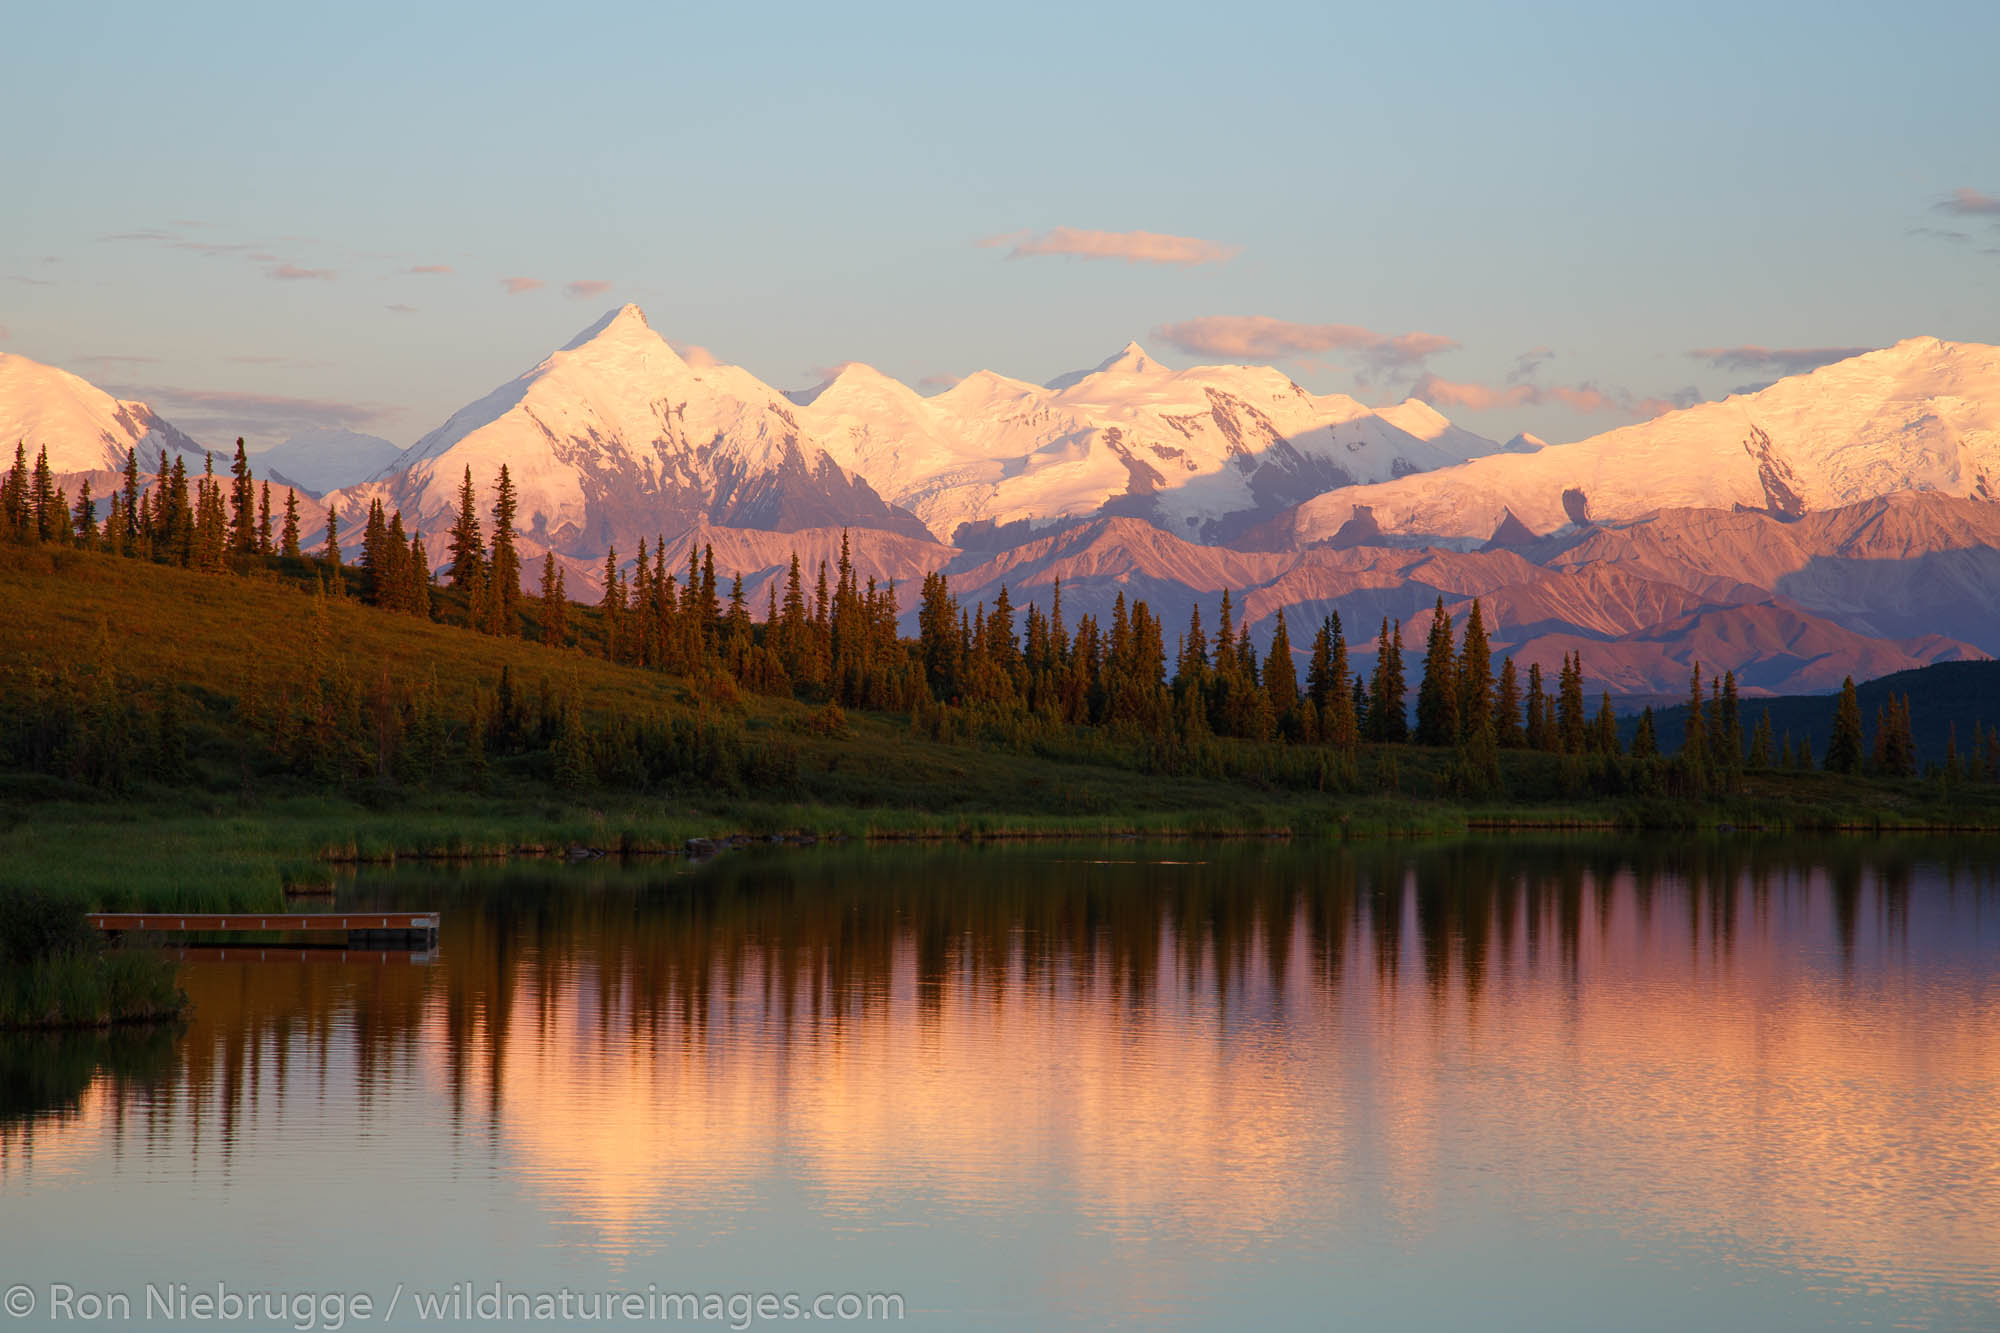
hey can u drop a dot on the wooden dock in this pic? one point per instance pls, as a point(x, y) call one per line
point(281, 953)
point(418, 930)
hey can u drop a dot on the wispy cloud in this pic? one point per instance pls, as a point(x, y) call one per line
point(515, 286)
point(1586, 398)
point(429, 268)
point(5, 333)
point(695, 355)
point(114, 359)
point(1968, 202)
point(401, 309)
point(293, 273)
point(1261, 338)
point(32, 282)
point(583, 287)
point(1775, 361)
point(1941, 234)
point(1134, 247)
point(174, 240)
point(228, 413)
point(1529, 364)
point(938, 383)
point(271, 359)
point(215, 248)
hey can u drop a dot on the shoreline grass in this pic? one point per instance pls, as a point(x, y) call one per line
point(243, 854)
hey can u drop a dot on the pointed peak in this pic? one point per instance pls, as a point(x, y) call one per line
point(624, 322)
point(1524, 443)
point(850, 377)
point(1131, 359)
point(1510, 533)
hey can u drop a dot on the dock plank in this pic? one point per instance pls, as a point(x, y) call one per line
point(178, 923)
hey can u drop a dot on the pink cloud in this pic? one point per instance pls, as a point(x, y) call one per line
point(1473, 397)
point(583, 287)
point(1134, 247)
point(1968, 202)
point(938, 383)
point(1587, 398)
point(695, 355)
point(293, 273)
point(430, 268)
point(1261, 338)
point(404, 309)
point(515, 286)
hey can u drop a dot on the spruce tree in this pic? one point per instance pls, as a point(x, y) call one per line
point(1843, 749)
point(1437, 693)
point(554, 603)
point(1761, 742)
point(420, 579)
point(331, 553)
point(1507, 707)
point(1570, 734)
point(1694, 737)
point(131, 506)
point(211, 528)
point(1729, 736)
point(1281, 682)
point(1895, 746)
point(1475, 676)
point(468, 545)
point(288, 542)
point(1604, 734)
point(1645, 740)
point(114, 525)
point(612, 605)
point(242, 505)
point(15, 512)
point(264, 518)
point(84, 518)
point(504, 595)
point(1191, 673)
point(48, 523)
point(1387, 691)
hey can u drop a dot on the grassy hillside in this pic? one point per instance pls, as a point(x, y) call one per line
point(214, 805)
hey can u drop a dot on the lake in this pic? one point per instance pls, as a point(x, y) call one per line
point(1587, 1084)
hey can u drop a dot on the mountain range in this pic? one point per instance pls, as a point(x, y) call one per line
point(1838, 522)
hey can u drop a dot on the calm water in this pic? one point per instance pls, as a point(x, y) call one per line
point(1582, 1086)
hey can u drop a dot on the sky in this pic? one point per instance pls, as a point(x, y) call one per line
point(1557, 218)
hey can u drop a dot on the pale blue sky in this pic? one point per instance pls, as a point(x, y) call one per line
point(794, 186)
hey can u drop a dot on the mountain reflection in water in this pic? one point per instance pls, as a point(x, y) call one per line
point(1142, 1070)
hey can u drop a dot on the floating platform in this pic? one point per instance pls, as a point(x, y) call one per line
point(293, 953)
point(410, 930)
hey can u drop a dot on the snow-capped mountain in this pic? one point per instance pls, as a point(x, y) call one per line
point(615, 437)
point(1205, 452)
point(1923, 415)
point(321, 460)
point(85, 429)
